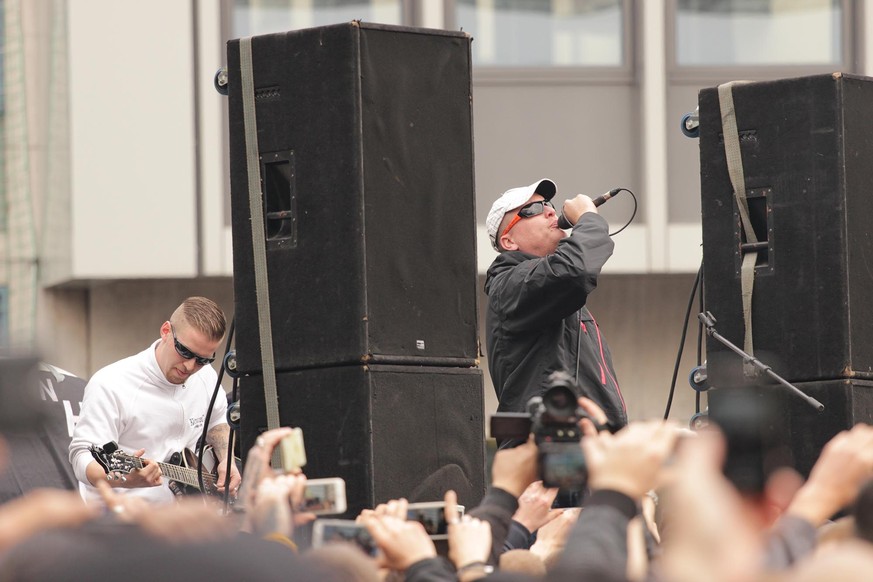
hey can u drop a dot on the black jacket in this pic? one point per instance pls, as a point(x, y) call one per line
point(537, 322)
point(497, 508)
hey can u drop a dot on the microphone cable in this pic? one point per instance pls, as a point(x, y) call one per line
point(697, 281)
point(633, 214)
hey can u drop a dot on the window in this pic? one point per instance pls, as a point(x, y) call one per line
point(544, 33)
point(254, 17)
point(759, 32)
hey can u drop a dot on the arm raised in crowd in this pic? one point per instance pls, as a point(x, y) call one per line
point(845, 464)
point(622, 468)
point(271, 501)
point(469, 541)
point(534, 511)
point(552, 537)
point(710, 536)
point(511, 473)
point(403, 543)
point(406, 547)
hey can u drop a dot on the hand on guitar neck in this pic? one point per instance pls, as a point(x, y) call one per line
point(149, 475)
point(129, 475)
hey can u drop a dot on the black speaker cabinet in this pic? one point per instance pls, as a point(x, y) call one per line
point(389, 431)
point(806, 146)
point(791, 424)
point(365, 144)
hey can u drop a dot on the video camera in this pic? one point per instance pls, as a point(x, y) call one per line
point(754, 421)
point(553, 418)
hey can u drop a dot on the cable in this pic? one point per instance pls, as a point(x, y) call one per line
point(682, 342)
point(633, 214)
point(206, 420)
point(700, 335)
point(231, 447)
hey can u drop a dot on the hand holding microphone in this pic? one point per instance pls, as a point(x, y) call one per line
point(581, 201)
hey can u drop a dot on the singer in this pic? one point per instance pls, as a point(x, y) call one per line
point(537, 289)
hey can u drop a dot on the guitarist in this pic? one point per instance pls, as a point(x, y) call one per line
point(154, 404)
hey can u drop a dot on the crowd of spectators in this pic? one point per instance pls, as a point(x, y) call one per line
point(657, 508)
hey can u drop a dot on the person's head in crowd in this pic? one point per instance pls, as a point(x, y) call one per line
point(136, 556)
point(190, 338)
point(349, 562)
point(523, 219)
point(523, 562)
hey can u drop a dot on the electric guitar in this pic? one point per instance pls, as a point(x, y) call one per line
point(181, 469)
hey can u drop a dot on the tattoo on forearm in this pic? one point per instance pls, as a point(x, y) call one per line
point(217, 439)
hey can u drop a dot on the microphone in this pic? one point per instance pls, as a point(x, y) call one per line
point(564, 223)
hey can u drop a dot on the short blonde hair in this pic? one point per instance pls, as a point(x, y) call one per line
point(204, 315)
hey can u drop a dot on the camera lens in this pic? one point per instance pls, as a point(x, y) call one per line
point(560, 402)
point(560, 399)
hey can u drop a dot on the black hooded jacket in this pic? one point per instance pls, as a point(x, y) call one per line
point(537, 322)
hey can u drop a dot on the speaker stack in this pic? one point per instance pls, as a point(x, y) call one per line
point(364, 137)
point(806, 146)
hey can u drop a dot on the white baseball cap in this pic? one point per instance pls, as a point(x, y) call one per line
point(512, 199)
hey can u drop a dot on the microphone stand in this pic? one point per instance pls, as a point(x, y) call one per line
point(708, 321)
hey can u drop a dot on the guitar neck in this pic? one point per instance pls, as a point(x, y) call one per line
point(187, 475)
point(183, 475)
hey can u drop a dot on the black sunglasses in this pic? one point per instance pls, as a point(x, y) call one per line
point(534, 208)
point(188, 354)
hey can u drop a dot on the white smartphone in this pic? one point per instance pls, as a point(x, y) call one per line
point(326, 531)
point(325, 496)
point(432, 515)
point(292, 451)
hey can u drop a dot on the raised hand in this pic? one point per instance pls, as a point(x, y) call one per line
point(401, 542)
point(535, 506)
point(514, 469)
point(629, 461)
